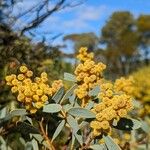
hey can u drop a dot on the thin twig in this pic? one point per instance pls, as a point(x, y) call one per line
point(51, 147)
point(87, 142)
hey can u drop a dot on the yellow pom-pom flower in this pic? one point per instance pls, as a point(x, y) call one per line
point(23, 69)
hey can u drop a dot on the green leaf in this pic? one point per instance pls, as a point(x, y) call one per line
point(18, 112)
point(89, 105)
point(73, 124)
point(69, 93)
point(28, 146)
point(145, 127)
point(35, 144)
point(72, 142)
point(59, 129)
point(136, 124)
point(98, 147)
point(94, 91)
point(83, 124)
point(58, 95)
point(111, 145)
point(79, 138)
point(67, 107)
point(23, 142)
point(72, 99)
point(81, 112)
point(3, 112)
point(69, 77)
point(136, 103)
point(38, 137)
point(52, 108)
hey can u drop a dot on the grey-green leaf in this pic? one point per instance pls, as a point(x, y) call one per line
point(73, 124)
point(111, 145)
point(94, 91)
point(59, 129)
point(98, 147)
point(68, 93)
point(52, 108)
point(90, 105)
point(72, 99)
point(3, 112)
point(35, 144)
point(58, 95)
point(67, 107)
point(81, 112)
point(69, 77)
point(145, 127)
point(136, 124)
point(18, 112)
point(79, 138)
point(38, 137)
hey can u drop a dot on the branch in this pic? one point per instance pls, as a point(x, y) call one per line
point(51, 147)
point(39, 19)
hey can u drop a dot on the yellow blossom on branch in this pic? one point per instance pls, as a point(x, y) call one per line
point(32, 92)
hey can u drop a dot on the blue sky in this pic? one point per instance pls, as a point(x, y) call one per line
point(88, 17)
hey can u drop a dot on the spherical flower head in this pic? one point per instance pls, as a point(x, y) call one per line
point(38, 105)
point(21, 88)
point(27, 81)
point(99, 107)
point(29, 73)
point(20, 97)
point(14, 82)
point(99, 116)
point(34, 86)
point(105, 125)
point(92, 78)
point(48, 91)
point(8, 78)
point(86, 80)
point(28, 99)
point(23, 69)
point(28, 92)
point(14, 89)
point(37, 80)
point(36, 97)
point(83, 50)
point(122, 112)
point(39, 92)
point(109, 93)
point(44, 75)
point(21, 77)
point(44, 98)
point(95, 125)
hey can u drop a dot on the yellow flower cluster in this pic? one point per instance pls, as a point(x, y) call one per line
point(113, 106)
point(83, 55)
point(124, 85)
point(142, 84)
point(32, 93)
point(88, 75)
point(142, 89)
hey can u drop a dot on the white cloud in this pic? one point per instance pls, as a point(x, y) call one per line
point(84, 15)
point(91, 12)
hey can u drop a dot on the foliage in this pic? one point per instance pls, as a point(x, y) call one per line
point(66, 108)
